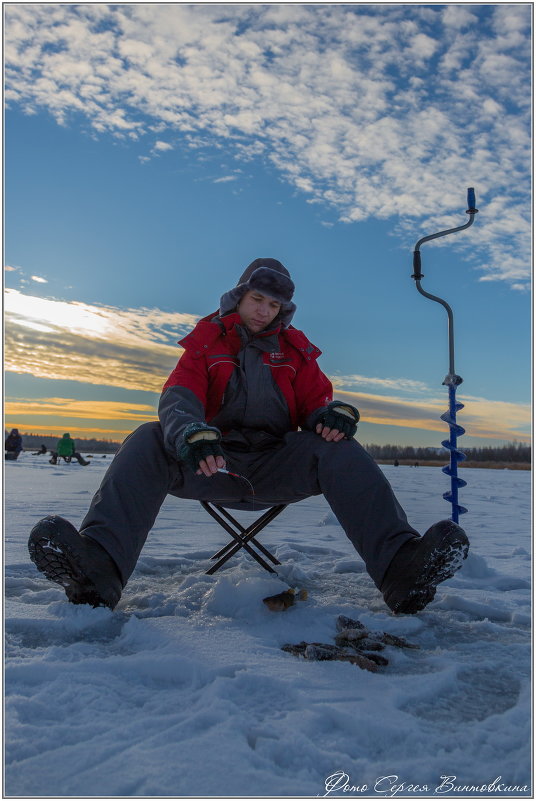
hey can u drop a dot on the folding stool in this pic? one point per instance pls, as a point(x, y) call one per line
point(242, 537)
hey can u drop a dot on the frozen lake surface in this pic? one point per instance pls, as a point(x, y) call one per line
point(183, 690)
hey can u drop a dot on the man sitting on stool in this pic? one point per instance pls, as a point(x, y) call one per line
point(66, 449)
point(247, 393)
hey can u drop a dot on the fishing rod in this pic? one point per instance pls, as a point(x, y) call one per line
point(452, 380)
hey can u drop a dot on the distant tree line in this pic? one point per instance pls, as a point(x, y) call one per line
point(34, 441)
point(513, 452)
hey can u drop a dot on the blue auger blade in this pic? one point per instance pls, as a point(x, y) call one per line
point(458, 481)
point(456, 508)
point(456, 429)
point(450, 418)
point(456, 408)
point(456, 455)
point(459, 455)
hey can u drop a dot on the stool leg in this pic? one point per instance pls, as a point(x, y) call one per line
point(242, 536)
point(239, 544)
point(259, 559)
point(248, 534)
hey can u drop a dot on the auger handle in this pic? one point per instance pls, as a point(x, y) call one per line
point(418, 274)
point(471, 201)
point(472, 211)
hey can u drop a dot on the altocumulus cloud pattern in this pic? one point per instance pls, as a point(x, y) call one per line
point(377, 111)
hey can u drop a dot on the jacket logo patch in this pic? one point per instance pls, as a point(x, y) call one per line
point(277, 355)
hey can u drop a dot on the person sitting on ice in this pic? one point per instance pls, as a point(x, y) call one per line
point(42, 450)
point(247, 394)
point(13, 444)
point(66, 449)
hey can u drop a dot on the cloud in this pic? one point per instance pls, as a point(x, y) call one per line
point(38, 279)
point(83, 432)
point(386, 111)
point(84, 410)
point(93, 344)
point(458, 17)
point(9, 269)
point(413, 404)
point(387, 384)
point(480, 417)
point(108, 419)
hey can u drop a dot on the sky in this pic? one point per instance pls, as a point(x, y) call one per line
point(152, 151)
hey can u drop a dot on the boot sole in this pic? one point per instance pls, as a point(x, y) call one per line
point(56, 559)
point(444, 559)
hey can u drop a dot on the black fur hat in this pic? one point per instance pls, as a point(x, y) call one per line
point(269, 277)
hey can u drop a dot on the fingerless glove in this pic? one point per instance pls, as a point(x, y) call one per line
point(341, 416)
point(200, 441)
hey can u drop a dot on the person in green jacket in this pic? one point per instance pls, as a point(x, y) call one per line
point(66, 449)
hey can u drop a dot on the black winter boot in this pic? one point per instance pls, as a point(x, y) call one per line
point(82, 566)
point(421, 564)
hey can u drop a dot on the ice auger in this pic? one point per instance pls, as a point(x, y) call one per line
point(452, 381)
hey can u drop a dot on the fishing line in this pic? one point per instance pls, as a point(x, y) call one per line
point(238, 475)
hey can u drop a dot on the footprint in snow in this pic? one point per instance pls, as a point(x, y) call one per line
point(474, 696)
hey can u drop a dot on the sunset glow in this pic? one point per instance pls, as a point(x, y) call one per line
point(153, 151)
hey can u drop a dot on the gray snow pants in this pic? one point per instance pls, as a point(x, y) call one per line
point(126, 505)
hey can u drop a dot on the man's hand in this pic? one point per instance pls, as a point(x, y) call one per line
point(210, 465)
point(338, 422)
point(330, 434)
point(201, 449)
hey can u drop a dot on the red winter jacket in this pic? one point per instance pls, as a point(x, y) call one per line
point(209, 360)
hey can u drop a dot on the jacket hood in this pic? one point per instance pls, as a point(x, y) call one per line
point(269, 277)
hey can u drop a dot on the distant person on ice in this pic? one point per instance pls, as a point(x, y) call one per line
point(66, 448)
point(247, 394)
point(13, 444)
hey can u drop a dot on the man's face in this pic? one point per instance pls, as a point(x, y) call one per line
point(257, 311)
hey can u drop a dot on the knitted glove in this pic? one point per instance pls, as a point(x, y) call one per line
point(200, 441)
point(341, 416)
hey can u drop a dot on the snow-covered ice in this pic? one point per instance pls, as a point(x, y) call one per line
point(184, 690)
